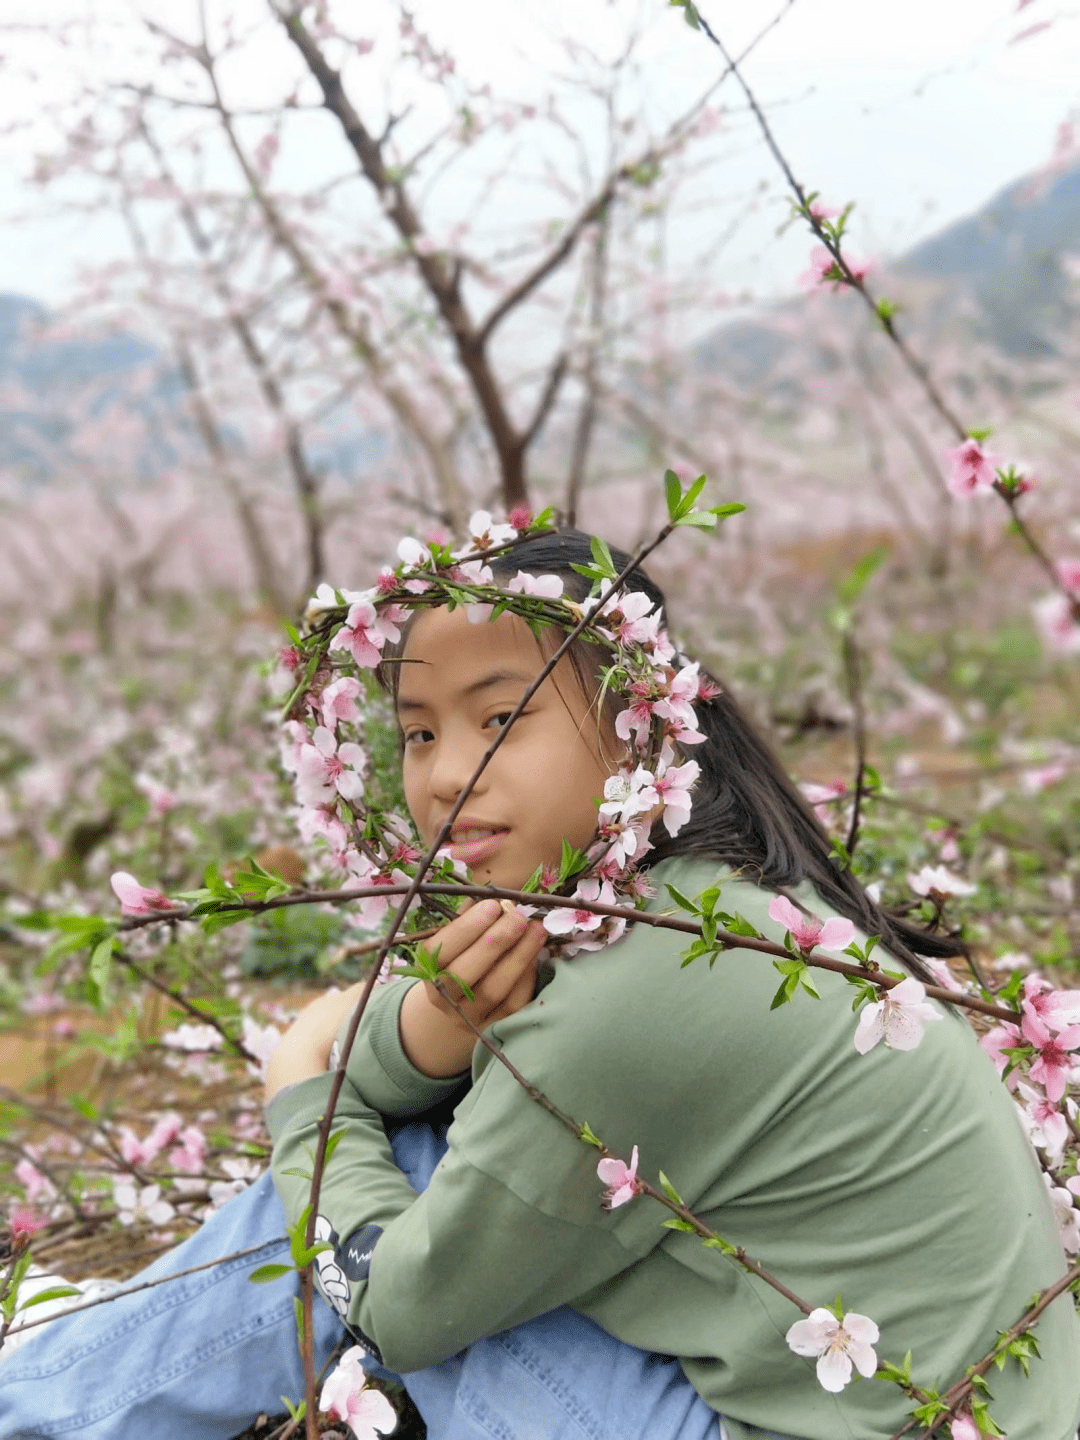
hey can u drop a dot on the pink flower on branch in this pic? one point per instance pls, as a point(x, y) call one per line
point(339, 701)
point(836, 1345)
point(36, 1185)
point(549, 587)
point(1044, 1121)
point(368, 1413)
point(24, 1222)
point(824, 269)
point(1068, 572)
point(562, 920)
point(810, 931)
point(326, 769)
point(366, 631)
point(1056, 622)
point(970, 469)
point(136, 899)
point(621, 1180)
point(897, 1018)
point(938, 883)
point(673, 784)
point(1053, 1060)
point(995, 1042)
point(1046, 1009)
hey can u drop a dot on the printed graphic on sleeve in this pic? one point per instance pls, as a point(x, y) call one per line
point(354, 1254)
point(329, 1276)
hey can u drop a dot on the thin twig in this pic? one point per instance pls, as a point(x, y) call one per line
point(724, 939)
point(885, 318)
point(149, 1284)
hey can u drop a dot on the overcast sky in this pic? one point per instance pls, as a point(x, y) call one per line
point(919, 111)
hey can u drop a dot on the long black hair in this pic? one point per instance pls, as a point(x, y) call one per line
point(747, 812)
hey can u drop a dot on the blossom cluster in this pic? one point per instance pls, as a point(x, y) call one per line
point(1039, 1058)
point(328, 671)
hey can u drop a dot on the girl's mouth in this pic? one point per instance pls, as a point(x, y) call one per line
point(473, 844)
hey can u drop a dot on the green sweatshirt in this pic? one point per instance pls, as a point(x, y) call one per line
point(903, 1180)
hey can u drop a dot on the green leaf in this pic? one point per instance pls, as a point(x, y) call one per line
point(602, 556)
point(692, 494)
point(296, 1236)
point(702, 519)
point(669, 1189)
point(852, 586)
point(585, 1133)
point(332, 1144)
point(676, 1222)
point(738, 924)
point(266, 1273)
point(690, 14)
point(222, 919)
point(216, 885)
point(55, 1292)
point(101, 968)
point(257, 885)
point(300, 1174)
point(22, 1265)
point(714, 1242)
point(980, 435)
point(725, 512)
point(297, 1412)
point(465, 988)
point(308, 1255)
point(681, 900)
point(672, 493)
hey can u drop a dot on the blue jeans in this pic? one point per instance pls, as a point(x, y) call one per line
point(199, 1358)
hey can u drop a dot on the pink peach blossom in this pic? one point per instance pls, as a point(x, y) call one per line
point(22, 1223)
point(368, 1413)
point(809, 931)
point(136, 899)
point(836, 1344)
point(620, 1178)
point(897, 1018)
point(970, 469)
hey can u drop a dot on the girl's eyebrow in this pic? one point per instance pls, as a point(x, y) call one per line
point(497, 677)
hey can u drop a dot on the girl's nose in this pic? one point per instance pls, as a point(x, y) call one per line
point(454, 764)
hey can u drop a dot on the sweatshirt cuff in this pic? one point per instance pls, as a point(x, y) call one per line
point(378, 1067)
point(304, 1103)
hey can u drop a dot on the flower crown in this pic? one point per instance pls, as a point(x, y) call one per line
point(334, 701)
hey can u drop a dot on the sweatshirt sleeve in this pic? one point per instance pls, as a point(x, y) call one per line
point(417, 1278)
point(379, 1070)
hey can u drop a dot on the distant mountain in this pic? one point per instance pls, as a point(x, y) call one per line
point(1009, 258)
point(999, 275)
point(52, 383)
point(116, 397)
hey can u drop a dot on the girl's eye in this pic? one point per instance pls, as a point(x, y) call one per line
point(498, 720)
point(419, 737)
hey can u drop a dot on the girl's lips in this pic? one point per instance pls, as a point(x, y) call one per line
point(474, 852)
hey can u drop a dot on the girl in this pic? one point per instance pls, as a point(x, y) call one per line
point(477, 1263)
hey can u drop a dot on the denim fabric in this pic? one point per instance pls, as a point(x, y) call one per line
point(199, 1358)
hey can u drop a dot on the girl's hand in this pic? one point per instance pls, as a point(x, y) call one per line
point(304, 1049)
point(494, 951)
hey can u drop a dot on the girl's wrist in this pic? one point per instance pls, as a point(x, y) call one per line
point(432, 1042)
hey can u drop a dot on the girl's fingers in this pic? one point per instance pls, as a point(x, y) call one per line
point(454, 939)
point(490, 936)
point(515, 968)
point(518, 997)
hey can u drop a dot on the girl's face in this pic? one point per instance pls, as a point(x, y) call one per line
point(459, 682)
